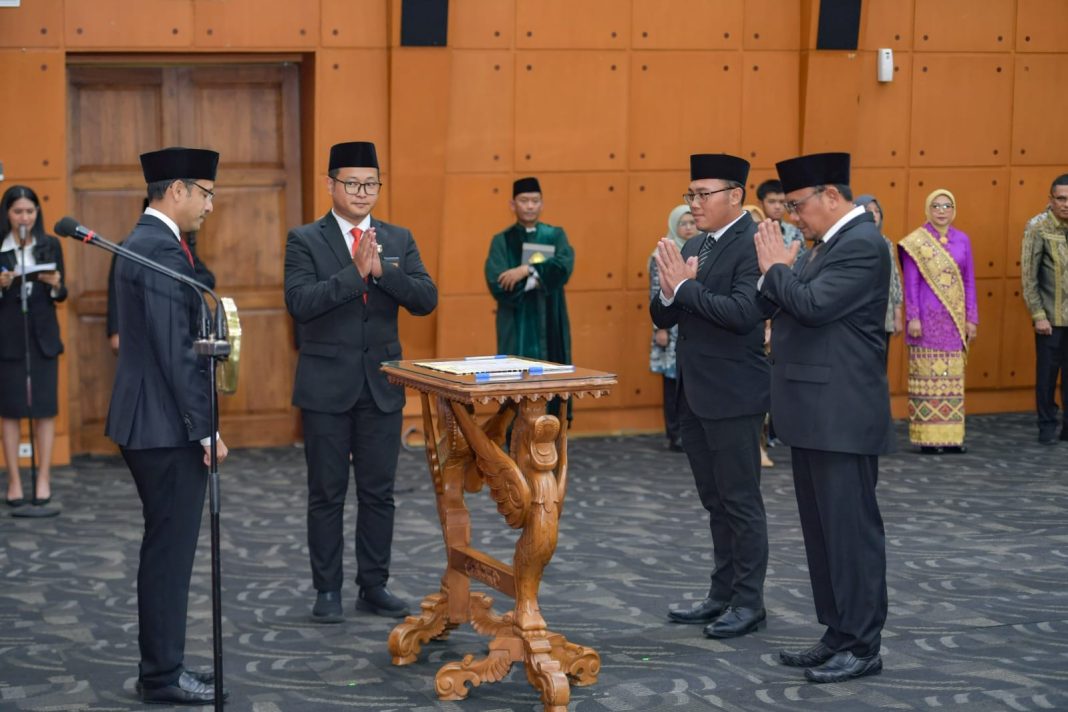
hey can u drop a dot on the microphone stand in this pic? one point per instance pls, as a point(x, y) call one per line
point(211, 342)
point(34, 511)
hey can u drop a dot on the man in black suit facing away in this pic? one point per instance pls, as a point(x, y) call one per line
point(346, 276)
point(709, 290)
point(160, 414)
point(831, 405)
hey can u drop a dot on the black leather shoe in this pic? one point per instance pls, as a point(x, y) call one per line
point(327, 608)
point(17, 502)
point(1047, 439)
point(381, 602)
point(736, 622)
point(204, 677)
point(810, 657)
point(844, 666)
point(1064, 431)
point(186, 690)
point(706, 611)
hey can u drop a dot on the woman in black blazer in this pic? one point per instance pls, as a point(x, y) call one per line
point(20, 207)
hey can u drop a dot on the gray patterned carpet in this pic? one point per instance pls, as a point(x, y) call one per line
point(978, 574)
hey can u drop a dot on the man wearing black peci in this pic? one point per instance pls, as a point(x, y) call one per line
point(346, 277)
point(160, 414)
point(831, 405)
point(709, 290)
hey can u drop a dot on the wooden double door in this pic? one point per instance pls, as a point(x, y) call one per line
point(250, 114)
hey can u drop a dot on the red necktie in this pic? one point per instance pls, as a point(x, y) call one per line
point(185, 249)
point(356, 233)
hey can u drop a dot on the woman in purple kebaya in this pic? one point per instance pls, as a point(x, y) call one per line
point(941, 315)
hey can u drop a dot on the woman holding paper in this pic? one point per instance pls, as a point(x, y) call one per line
point(26, 249)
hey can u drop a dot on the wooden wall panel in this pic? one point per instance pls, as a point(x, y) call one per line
point(883, 113)
point(650, 199)
point(98, 106)
point(598, 328)
point(481, 121)
point(33, 146)
point(897, 368)
point(572, 24)
point(467, 325)
point(637, 384)
point(353, 23)
point(982, 209)
point(667, 24)
point(984, 356)
point(885, 23)
point(770, 83)
point(116, 23)
point(336, 71)
point(571, 111)
point(592, 210)
point(829, 91)
point(255, 259)
point(947, 128)
point(476, 208)
point(1028, 196)
point(669, 121)
point(1039, 107)
point(1017, 340)
point(271, 24)
point(1040, 25)
point(36, 24)
point(481, 24)
point(417, 204)
point(419, 79)
point(890, 188)
point(964, 25)
point(772, 24)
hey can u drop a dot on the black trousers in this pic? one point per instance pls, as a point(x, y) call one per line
point(1051, 357)
point(845, 546)
point(372, 438)
point(671, 409)
point(725, 459)
point(171, 484)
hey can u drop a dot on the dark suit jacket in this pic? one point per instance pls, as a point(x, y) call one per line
point(344, 341)
point(201, 271)
point(161, 396)
point(720, 350)
point(828, 377)
point(44, 327)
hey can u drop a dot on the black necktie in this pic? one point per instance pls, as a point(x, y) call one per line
point(705, 251)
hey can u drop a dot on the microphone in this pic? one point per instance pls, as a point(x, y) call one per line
point(22, 235)
point(69, 227)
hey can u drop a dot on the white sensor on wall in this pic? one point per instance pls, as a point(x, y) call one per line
point(886, 65)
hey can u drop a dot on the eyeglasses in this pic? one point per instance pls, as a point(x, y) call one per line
point(352, 187)
point(793, 205)
point(703, 195)
point(209, 193)
point(941, 206)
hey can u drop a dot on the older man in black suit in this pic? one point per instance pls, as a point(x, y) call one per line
point(709, 290)
point(346, 276)
point(160, 414)
point(830, 402)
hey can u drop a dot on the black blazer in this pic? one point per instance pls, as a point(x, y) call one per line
point(161, 396)
point(44, 327)
point(828, 377)
point(720, 351)
point(343, 341)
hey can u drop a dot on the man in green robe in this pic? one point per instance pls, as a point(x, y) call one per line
point(526, 270)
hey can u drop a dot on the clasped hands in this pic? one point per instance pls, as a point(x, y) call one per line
point(770, 248)
point(671, 267)
point(509, 278)
point(52, 279)
point(366, 256)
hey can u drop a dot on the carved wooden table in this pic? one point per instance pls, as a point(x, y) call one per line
point(528, 484)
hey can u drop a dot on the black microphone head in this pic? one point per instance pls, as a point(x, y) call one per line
point(67, 227)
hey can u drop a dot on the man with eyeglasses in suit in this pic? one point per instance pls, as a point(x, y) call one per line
point(346, 277)
point(709, 290)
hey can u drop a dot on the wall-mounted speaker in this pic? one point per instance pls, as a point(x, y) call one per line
point(839, 26)
point(424, 23)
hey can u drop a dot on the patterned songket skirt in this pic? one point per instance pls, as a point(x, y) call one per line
point(936, 397)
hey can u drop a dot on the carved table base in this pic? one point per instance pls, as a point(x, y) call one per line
point(528, 484)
